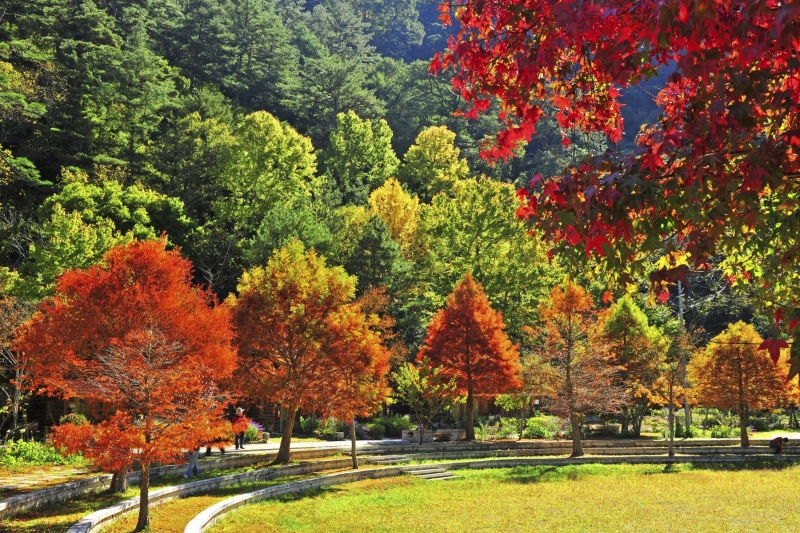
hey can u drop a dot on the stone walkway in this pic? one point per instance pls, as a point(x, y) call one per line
point(24, 481)
point(274, 443)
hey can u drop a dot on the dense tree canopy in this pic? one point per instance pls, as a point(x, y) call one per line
point(133, 334)
point(714, 175)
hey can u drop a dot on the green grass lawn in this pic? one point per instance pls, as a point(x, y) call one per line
point(584, 498)
point(58, 517)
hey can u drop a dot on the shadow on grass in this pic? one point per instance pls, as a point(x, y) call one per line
point(543, 473)
point(306, 495)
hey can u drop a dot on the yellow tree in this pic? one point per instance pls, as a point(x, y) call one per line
point(433, 163)
point(731, 373)
point(303, 341)
point(362, 362)
point(399, 210)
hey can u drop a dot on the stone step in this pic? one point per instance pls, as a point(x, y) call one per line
point(391, 460)
point(426, 471)
point(437, 475)
point(443, 478)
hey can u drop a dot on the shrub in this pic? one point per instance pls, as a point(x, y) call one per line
point(535, 430)
point(761, 424)
point(73, 418)
point(331, 426)
point(541, 427)
point(21, 453)
point(310, 425)
point(376, 430)
point(251, 434)
point(506, 431)
point(724, 432)
point(608, 430)
point(394, 425)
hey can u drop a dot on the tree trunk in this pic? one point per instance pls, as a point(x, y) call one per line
point(625, 420)
point(353, 444)
point(144, 500)
point(688, 414)
point(671, 422)
point(286, 438)
point(577, 449)
point(470, 416)
point(15, 402)
point(119, 481)
point(744, 439)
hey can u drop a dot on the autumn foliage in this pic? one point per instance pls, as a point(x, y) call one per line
point(638, 350)
point(133, 334)
point(731, 373)
point(304, 342)
point(716, 174)
point(468, 340)
point(581, 379)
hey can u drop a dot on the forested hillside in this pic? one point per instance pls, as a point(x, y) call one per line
point(234, 126)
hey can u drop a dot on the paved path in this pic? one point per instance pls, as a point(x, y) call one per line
point(29, 480)
point(274, 443)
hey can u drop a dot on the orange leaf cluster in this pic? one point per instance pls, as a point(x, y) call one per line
point(468, 340)
point(134, 335)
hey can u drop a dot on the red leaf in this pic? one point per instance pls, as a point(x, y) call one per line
point(778, 316)
point(774, 348)
point(663, 297)
point(608, 297)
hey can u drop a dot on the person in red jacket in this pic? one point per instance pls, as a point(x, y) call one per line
point(777, 444)
point(240, 423)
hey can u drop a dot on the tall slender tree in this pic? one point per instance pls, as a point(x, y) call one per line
point(468, 340)
point(582, 380)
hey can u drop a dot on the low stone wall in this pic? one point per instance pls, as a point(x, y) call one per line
point(588, 444)
point(66, 491)
point(94, 521)
point(210, 516)
point(412, 435)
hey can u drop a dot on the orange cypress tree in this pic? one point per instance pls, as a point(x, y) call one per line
point(731, 373)
point(468, 340)
point(134, 334)
point(295, 331)
point(361, 362)
point(580, 379)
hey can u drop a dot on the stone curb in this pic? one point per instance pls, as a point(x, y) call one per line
point(524, 452)
point(66, 491)
point(211, 515)
point(587, 444)
point(100, 518)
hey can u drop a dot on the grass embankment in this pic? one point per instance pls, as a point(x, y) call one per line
point(597, 498)
point(58, 517)
point(172, 516)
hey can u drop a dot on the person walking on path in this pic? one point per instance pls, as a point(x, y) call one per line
point(193, 470)
point(777, 444)
point(240, 423)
